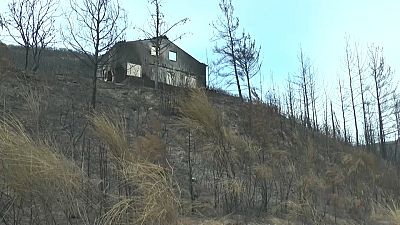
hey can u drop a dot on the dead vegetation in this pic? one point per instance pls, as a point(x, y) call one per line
point(34, 168)
point(215, 160)
point(152, 196)
point(6, 63)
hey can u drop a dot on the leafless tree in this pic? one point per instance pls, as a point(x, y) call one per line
point(326, 126)
point(30, 23)
point(94, 26)
point(313, 98)
point(343, 107)
point(383, 91)
point(290, 100)
point(226, 27)
point(396, 102)
point(360, 72)
point(1, 21)
point(333, 121)
point(349, 67)
point(248, 59)
point(304, 84)
point(159, 29)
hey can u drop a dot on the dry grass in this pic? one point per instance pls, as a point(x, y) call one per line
point(156, 202)
point(212, 222)
point(386, 214)
point(198, 114)
point(150, 148)
point(33, 97)
point(277, 221)
point(263, 172)
point(153, 200)
point(334, 176)
point(35, 168)
point(360, 161)
point(120, 213)
point(233, 187)
point(113, 132)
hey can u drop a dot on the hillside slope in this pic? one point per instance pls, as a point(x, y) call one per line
point(175, 156)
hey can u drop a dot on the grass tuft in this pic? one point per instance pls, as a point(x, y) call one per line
point(156, 202)
point(34, 168)
point(150, 148)
point(153, 199)
point(113, 132)
point(198, 113)
point(360, 161)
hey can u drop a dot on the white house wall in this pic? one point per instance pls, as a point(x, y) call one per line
point(175, 78)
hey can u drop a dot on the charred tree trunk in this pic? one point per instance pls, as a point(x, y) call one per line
point(343, 112)
point(349, 60)
point(362, 91)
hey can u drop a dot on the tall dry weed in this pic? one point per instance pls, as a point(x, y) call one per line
point(360, 162)
point(112, 130)
point(386, 214)
point(35, 104)
point(153, 199)
point(199, 114)
point(150, 148)
point(156, 201)
point(35, 168)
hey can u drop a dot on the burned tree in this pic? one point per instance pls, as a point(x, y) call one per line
point(383, 91)
point(343, 108)
point(290, 100)
point(360, 72)
point(226, 27)
point(93, 28)
point(396, 103)
point(349, 66)
point(30, 23)
point(159, 29)
point(303, 81)
point(248, 59)
point(313, 98)
point(333, 121)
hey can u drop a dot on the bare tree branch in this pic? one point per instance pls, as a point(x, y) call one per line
point(226, 27)
point(158, 31)
point(248, 59)
point(94, 27)
point(30, 23)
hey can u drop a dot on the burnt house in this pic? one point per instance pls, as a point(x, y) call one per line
point(137, 60)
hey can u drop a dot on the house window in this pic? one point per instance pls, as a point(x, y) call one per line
point(172, 56)
point(133, 70)
point(153, 50)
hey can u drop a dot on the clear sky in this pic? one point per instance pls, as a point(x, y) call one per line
point(281, 27)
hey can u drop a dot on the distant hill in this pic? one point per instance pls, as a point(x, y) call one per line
point(53, 61)
point(5, 58)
